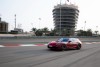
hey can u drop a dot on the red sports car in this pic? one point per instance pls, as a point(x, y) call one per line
point(65, 43)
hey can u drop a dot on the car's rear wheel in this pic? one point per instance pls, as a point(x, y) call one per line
point(78, 46)
point(48, 46)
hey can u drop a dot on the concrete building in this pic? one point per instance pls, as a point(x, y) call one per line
point(65, 17)
point(3, 26)
point(19, 30)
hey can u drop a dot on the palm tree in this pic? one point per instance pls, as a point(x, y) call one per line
point(89, 32)
point(45, 30)
point(96, 32)
point(34, 29)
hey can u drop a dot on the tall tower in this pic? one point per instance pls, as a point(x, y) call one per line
point(65, 17)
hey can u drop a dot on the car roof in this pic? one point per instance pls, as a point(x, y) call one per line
point(68, 38)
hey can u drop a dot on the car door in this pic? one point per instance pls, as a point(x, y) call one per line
point(72, 43)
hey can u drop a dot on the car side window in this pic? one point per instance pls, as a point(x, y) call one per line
point(65, 40)
point(72, 40)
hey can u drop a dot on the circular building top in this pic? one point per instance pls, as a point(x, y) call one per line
point(66, 5)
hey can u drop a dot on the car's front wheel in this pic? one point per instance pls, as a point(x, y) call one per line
point(78, 46)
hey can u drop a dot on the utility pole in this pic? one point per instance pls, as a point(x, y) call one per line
point(15, 21)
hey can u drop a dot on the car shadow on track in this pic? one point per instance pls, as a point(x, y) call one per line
point(56, 50)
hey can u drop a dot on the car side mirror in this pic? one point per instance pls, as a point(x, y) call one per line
point(69, 41)
point(57, 41)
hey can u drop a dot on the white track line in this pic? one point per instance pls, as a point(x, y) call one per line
point(87, 43)
point(45, 44)
point(27, 45)
point(2, 46)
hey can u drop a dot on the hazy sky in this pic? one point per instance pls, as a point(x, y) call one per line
point(28, 13)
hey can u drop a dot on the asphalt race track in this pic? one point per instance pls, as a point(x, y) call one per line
point(41, 56)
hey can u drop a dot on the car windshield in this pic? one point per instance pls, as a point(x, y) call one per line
point(63, 40)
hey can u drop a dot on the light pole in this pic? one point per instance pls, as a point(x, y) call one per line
point(96, 30)
point(32, 25)
point(15, 21)
point(82, 28)
point(84, 25)
point(39, 22)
